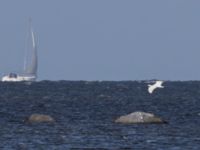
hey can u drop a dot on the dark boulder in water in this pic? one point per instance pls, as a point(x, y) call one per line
point(22, 146)
point(139, 117)
point(38, 118)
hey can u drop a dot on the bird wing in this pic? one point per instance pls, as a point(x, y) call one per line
point(158, 83)
point(151, 89)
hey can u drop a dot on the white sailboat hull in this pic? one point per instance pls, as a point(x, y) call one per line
point(7, 78)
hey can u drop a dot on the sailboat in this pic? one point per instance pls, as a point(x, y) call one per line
point(30, 69)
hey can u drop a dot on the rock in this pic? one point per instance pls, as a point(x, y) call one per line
point(139, 117)
point(22, 146)
point(40, 118)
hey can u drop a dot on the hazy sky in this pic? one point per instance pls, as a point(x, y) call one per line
point(104, 39)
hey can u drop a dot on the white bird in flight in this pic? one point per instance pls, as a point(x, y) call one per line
point(157, 84)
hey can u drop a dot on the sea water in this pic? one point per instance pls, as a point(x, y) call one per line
point(84, 114)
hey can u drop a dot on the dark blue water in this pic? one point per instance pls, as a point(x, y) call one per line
point(85, 114)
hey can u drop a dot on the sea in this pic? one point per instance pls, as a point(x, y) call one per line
point(85, 114)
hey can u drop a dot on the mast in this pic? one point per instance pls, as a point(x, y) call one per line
point(31, 67)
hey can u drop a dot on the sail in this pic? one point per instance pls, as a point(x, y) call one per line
point(31, 65)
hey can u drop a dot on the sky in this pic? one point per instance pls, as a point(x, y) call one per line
point(104, 39)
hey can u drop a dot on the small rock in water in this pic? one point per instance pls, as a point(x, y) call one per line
point(139, 117)
point(40, 118)
point(22, 146)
